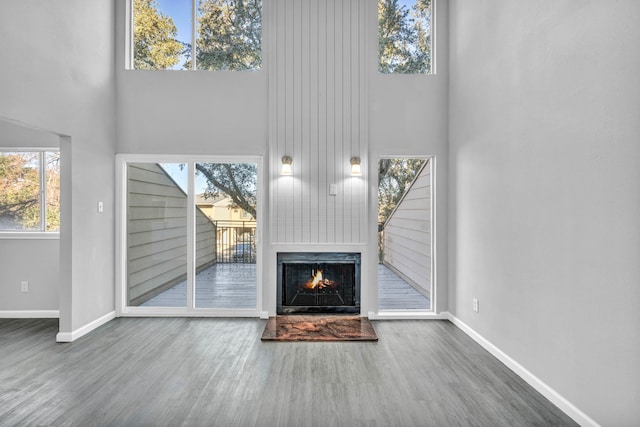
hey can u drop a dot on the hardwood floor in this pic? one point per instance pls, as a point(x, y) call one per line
point(217, 372)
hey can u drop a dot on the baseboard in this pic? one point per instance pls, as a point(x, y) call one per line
point(567, 407)
point(29, 314)
point(80, 332)
point(408, 315)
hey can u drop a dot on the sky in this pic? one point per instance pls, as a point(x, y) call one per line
point(180, 12)
point(179, 175)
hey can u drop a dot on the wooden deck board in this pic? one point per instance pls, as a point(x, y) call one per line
point(396, 294)
point(219, 286)
point(234, 286)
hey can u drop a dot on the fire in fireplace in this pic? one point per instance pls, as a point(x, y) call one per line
point(318, 282)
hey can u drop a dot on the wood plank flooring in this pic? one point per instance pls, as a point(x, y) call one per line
point(217, 372)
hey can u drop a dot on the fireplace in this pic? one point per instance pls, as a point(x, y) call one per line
point(318, 282)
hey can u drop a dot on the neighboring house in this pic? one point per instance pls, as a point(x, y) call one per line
point(220, 208)
point(235, 238)
point(407, 239)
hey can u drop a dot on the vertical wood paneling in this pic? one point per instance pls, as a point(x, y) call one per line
point(318, 116)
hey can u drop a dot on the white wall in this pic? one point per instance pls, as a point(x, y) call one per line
point(408, 116)
point(34, 260)
point(545, 192)
point(57, 75)
point(229, 113)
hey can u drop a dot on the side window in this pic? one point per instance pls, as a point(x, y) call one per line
point(405, 41)
point(29, 191)
point(226, 35)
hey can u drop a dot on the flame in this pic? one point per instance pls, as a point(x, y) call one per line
point(318, 282)
point(315, 280)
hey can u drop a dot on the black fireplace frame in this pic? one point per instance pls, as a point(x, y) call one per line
point(353, 258)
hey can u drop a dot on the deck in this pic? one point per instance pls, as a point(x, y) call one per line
point(394, 294)
point(219, 286)
point(234, 286)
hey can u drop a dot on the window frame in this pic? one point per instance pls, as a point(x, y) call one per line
point(42, 232)
point(191, 309)
point(130, 49)
point(433, 44)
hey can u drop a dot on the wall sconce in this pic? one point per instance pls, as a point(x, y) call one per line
point(355, 167)
point(286, 166)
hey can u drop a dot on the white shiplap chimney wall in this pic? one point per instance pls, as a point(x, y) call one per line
point(318, 116)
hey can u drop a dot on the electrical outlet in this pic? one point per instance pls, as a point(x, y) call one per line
point(24, 286)
point(476, 305)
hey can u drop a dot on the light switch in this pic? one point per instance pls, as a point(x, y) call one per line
point(100, 207)
point(333, 189)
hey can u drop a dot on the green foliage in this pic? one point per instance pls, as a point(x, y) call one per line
point(154, 38)
point(229, 35)
point(20, 192)
point(394, 178)
point(404, 37)
point(52, 176)
point(237, 180)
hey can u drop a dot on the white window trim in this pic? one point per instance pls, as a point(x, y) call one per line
point(434, 311)
point(434, 55)
point(129, 47)
point(41, 234)
point(124, 310)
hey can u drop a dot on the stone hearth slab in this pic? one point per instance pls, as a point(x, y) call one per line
point(319, 328)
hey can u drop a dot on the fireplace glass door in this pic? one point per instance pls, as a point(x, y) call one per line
point(319, 283)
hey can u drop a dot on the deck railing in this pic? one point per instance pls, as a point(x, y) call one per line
point(236, 241)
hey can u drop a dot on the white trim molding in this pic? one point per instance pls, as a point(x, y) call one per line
point(29, 314)
point(408, 315)
point(80, 332)
point(554, 397)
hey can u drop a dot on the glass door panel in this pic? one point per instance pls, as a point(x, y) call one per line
point(225, 224)
point(157, 218)
point(404, 234)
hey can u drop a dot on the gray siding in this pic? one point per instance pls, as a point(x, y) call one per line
point(157, 233)
point(407, 234)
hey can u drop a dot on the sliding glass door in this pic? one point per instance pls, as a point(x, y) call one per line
point(189, 235)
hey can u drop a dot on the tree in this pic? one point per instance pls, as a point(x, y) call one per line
point(229, 35)
point(422, 24)
point(239, 181)
point(404, 37)
point(394, 178)
point(154, 37)
point(20, 191)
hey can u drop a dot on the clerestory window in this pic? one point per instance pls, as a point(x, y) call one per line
point(29, 191)
point(405, 36)
point(196, 35)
